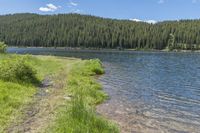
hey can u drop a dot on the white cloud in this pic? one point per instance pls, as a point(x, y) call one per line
point(146, 21)
point(72, 4)
point(151, 21)
point(136, 20)
point(161, 1)
point(44, 9)
point(49, 8)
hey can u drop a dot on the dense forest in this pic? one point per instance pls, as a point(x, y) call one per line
point(74, 30)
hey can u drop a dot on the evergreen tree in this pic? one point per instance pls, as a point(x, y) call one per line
point(74, 30)
point(171, 44)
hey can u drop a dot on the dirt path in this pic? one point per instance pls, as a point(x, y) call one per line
point(39, 114)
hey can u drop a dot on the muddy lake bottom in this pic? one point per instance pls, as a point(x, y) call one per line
point(150, 92)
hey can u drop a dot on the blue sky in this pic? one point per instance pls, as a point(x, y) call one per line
point(158, 10)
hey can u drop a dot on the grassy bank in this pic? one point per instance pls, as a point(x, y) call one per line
point(19, 80)
point(20, 77)
point(78, 115)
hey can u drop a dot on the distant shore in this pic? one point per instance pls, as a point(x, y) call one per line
point(110, 50)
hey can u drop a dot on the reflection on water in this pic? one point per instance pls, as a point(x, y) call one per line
point(150, 92)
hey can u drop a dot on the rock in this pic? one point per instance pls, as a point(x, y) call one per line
point(67, 98)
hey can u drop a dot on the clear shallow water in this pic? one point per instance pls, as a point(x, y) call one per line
point(150, 91)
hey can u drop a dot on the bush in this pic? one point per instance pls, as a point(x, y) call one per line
point(17, 69)
point(3, 47)
point(95, 66)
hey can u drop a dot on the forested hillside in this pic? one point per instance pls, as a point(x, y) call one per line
point(73, 30)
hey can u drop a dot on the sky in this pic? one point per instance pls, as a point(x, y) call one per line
point(136, 10)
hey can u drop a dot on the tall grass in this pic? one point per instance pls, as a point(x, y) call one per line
point(79, 115)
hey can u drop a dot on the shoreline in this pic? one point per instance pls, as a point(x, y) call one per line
point(107, 50)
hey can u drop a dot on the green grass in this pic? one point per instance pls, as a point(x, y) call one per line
point(44, 65)
point(79, 115)
point(16, 93)
point(12, 97)
point(48, 65)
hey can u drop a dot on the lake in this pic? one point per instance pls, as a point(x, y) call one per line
point(149, 91)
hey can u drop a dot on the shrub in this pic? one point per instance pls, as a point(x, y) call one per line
point(3, 47)
point(17, 69)
point(95, 66)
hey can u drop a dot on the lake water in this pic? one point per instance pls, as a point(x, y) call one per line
point(150, 92)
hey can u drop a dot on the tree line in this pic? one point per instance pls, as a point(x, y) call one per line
point(75, 30)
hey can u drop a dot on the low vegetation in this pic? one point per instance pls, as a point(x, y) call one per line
point(19, 80)
point(20, 76)
point(13, 97)
point(17, 86)
point(3, 47)
point(18, 69)
point(79, 115)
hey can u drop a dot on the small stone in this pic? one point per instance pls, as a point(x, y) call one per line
point(67, 98)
